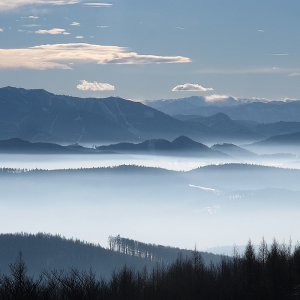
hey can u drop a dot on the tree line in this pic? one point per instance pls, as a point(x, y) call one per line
point(155, 253)
point(271, 273)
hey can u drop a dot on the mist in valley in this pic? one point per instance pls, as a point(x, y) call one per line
point(169, 200)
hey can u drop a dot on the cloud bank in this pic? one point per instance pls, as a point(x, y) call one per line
point(191, 87)
point(95, 86)
point(13, 4)
point(61, 56)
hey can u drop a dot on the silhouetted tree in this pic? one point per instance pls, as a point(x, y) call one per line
point(270, 273)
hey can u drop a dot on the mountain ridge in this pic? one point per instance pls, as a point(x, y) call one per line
point(181, 144)
point(38, 115)
point(291, 139)
point(237, 109)
point(41, 116)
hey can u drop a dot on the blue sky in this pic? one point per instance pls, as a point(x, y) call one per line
point(154, 49)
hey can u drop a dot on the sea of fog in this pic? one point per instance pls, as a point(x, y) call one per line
point(178, 208)
point(73, 161)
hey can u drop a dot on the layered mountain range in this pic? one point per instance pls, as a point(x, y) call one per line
point(40, 116)
point(258, 110)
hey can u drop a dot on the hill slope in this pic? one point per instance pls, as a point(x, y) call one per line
point(46, 252)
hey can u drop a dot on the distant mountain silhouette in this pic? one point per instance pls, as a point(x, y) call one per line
point(241, 109)
point(233, 150)
point(190, 105)
point(277, 128)
point(20, 146)
point(37, 115)
point(222, 125)
point(47, 252)
point(239, 167)
point(281, 140)
point(181, 144)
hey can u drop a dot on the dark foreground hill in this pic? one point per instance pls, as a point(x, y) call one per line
point(47, 252)
point(271, 274)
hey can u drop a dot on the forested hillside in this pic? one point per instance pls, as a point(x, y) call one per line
point(271, 274)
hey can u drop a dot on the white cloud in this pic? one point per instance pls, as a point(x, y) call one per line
point(216, 98)
point(95, 86)
point(13, 4)
point(191, 87)
point(1, 29)
point(53, 31)
point(98, 5)
point(75, 24)
point(79, 37)
point(59, 56)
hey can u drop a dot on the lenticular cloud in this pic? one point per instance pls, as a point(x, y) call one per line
point(63, 56)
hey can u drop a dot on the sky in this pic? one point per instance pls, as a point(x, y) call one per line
point(158, 49)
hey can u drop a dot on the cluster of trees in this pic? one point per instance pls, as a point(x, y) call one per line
point(11, 170)
point(272, 273)
point(128, 247)
point(155, 253)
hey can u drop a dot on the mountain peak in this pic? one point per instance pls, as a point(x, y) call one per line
point(184, 140)
point(22, 90)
